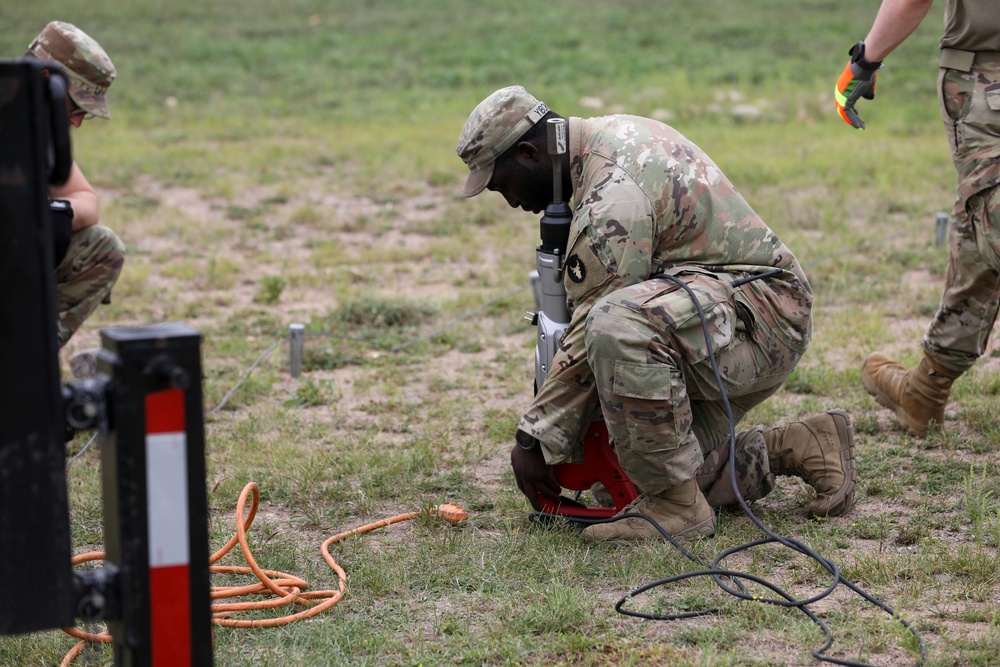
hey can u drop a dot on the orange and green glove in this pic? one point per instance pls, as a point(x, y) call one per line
point(856, 81)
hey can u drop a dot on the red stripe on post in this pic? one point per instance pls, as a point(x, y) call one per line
point(165, 412)
point(170, 616)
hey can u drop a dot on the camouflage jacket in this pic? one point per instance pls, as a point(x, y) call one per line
point(647, 201)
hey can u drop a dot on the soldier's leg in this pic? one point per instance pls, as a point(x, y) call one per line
point(818, 448)
point(85, 277)
point(958, 334)
point(643, 343)
point(754, 478)
point(641, 371)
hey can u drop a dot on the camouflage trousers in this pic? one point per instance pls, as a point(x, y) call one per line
point(85, 277)
point(658, 392)
point(970, 109)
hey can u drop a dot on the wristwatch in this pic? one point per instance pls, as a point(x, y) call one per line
point(525, 441)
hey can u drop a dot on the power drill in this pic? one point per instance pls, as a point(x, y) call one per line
point(600, 464)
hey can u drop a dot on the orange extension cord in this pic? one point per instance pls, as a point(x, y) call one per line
point(287, 588)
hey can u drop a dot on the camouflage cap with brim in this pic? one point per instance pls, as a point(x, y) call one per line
point(493, 127)
point(87, 66)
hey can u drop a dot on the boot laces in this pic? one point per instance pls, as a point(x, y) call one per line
point(639, 506)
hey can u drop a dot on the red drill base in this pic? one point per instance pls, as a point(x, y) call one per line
point(600, 464)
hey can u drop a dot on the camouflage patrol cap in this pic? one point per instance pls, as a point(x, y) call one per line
point(88, 68)
point(493, 127)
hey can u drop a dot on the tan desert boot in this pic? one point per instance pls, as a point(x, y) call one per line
point(820, 450)
point(681, 511)
point(917, 397)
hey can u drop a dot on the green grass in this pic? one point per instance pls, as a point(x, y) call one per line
point(278, 162)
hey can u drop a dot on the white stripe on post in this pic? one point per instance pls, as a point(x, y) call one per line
point(166, 486)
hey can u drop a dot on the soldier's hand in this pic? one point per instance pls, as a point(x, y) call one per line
point(532, 474)
point(856, 81)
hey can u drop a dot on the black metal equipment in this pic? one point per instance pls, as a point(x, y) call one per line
point(34, 135)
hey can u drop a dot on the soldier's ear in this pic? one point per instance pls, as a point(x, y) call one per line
point(528, 152)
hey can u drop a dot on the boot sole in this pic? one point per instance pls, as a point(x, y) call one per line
point(844, 499)
point(904, 418)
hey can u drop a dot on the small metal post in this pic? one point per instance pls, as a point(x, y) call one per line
point(940, 228)
point(297, 338)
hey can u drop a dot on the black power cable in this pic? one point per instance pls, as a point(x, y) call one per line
point(718, 573)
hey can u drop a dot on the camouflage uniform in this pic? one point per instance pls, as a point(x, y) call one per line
point(648, 202)
point(969, 94)
point(94, 259)
point(85, 276)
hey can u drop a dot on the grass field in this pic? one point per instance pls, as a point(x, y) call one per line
point(278, 162)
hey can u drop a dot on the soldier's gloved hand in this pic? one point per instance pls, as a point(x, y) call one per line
point(856, 81)
point(533, 475)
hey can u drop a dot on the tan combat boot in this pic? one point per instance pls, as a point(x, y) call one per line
point(820, 450)
point(917, 397)
point(681, 511)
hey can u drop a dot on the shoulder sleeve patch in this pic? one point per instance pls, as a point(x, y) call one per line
point(576, 269)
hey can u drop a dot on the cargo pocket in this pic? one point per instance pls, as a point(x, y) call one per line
point(982, 122)
point(984, 214)
point(654, 405)
point(678, 314)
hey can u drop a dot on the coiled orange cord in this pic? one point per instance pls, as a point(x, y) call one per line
point(286, 588)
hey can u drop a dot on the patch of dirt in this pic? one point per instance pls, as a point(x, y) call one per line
point(219, 271)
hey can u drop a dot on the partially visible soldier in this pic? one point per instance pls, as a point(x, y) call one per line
point(89, 257)
point(969, 94)
point(649, 203)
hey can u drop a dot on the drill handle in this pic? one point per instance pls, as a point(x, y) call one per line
point(558, 145)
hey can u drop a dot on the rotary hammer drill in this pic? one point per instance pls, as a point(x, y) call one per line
point(600, 464)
